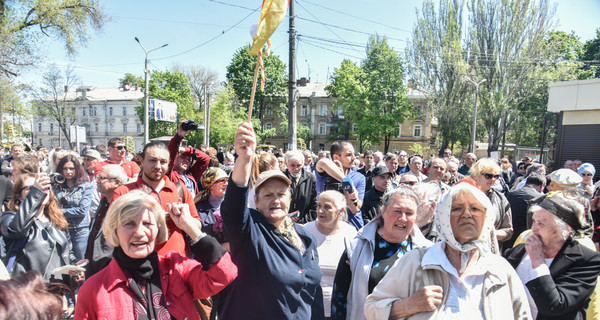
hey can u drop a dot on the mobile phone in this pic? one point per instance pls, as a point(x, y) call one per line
point(347, 185)
point(295, 214)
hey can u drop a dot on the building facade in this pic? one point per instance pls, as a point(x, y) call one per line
point(315, 110)
point(104, 112)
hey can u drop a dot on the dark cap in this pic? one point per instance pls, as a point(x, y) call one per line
point(380, 170)
point(568, 210)
point(271, 174)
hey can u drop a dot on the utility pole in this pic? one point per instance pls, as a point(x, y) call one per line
point(205, 140)
point(146, 98)
point(292, 117)
point(474, 129)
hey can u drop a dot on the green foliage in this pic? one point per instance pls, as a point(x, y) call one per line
point(225, 115)
point(416, 148)
point(170, 86)
point(372, 96)
point(240, 74)
point(303, 132)
point(591, 52)
point(132, 80)
point(23, 25)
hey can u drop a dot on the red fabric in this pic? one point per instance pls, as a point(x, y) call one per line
point(470, 181)
point(168, 194)
point(131, 168)
point(107, 296)
point(198, 167)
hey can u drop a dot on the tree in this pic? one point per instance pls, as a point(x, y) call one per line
point(170, 86)
point(24, 23)
point(202, 80)
point(226, 113)
point(131, 79)
point(437, 63)
point(591, 52)
point(240, 74)
point(10, 104)
point(53, 101)
point(303, 133)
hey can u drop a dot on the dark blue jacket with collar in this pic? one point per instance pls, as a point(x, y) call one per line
point(275, 281)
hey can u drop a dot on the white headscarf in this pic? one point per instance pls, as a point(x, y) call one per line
point(443, 212)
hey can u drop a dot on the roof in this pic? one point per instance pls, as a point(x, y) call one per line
point(89, 93)
point(318, 90)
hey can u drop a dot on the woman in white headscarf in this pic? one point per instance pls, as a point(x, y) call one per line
point(456, 278)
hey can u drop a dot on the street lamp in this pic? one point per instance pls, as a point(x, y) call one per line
point(146, 80)
point(472, 146)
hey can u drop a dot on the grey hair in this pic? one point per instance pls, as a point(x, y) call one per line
point(428, 191)
point(401, 191)
point(116, 172)
point(338, 200)
point(534, 167)
point(565, 230)
point(296, 155)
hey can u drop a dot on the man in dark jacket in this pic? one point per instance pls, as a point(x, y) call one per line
point(372, 200)
point(303, 188)
point(518, 200)
point(558, 272)
point(367, 169)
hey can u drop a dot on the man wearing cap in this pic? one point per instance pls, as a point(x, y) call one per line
point(117, 151)
point(558, 272)
point(184, 170)
point(91, 158)
point(381, 182)
point(279, 274)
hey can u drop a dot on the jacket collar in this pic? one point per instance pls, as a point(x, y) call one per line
point(141, 184)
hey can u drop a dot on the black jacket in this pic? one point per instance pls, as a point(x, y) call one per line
point(304, 196)
point(565, 293)
point(519, 205)
point(46, 248)
point(98, 252)
point(371, 202)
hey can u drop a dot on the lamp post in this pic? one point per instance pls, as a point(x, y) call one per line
point(146, 99)
point(473, 133)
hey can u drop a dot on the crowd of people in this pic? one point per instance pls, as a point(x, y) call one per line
point(177, 232)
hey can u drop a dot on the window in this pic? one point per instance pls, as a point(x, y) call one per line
point(354, 128)
point(110, 127)
point(321, 147)
point(96, 127)
point(124, 127)
point(304, 110)
point(417, 130)
point(124, 111)
point(110, 111)
point(138, 127)
point(340, 113)
point(269, 110)
point(322, 129)
point(83, 112)
point(40, 127)
point(323, 111)
point(51, 128)
point(419, 111)
point(268, 125)
point(395, 148)
point(399, 133)
point(95, 111)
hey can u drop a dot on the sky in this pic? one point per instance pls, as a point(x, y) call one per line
point(208, 32)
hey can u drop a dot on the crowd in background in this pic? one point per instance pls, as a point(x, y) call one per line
point(271, 235)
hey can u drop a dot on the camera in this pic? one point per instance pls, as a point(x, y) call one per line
point(189, 125)
point(57, 178)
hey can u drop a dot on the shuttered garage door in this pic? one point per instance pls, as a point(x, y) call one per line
point(580, 142)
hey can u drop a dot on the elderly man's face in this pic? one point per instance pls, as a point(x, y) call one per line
point(569, 164)
point(295, 167)
point(381, 182)
point(447, 153)
point(408, 180)
point(467, 216)
point(470, 159)
point(545, 227)
point(105, 183)
point(16, 151)
point(453, 169)
point(416, 165)
point(89, 163)
point(437, 169)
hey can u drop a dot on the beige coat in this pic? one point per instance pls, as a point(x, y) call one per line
point(503, 294)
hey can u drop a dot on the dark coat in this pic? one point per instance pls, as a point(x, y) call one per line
point(98, 252)
point(46, 247)
point(304, 196)
point(565, 293)
point(370, 208)
point(275, 281)
point(519, 206)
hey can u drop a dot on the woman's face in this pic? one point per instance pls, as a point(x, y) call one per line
point(467, 216)
point(69, 171)
point(587, 177)
point(219, 187)
point(137, 236)
point(328, 214)
point(486, 179)
point(26, 187)
point(398, 219)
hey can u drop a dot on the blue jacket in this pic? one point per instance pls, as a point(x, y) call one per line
point(274, 280)
point(75, 203)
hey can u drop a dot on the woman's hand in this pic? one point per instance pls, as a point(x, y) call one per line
point(425, 300)
point(42, 182)
point(245, 141)
point(180, 214)
point(535, 249)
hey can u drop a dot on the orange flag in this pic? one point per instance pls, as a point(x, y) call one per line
point(273, 11)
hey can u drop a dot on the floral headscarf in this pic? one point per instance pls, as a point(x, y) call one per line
point(443, 212)
point(209, 177)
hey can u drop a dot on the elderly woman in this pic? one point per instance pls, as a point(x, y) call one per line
point(486, 172)
point(278, 260)
point(374, 250)
point(333, 235)
point(586, 187)
point(456, 278)
point(208, 202)
point(141, 284)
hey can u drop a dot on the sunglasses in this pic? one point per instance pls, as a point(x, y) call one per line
point(490, 176)
point(410, 183)
point(586, 174)
point(119, 147)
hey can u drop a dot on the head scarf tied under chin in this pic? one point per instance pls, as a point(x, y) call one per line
point(443, 212)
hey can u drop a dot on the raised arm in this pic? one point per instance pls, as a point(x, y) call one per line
point(332, 168)
point(245, 144)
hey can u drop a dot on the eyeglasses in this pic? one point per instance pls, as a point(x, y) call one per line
point(104, 178)
point(119, 147)
point(586, 174)
point(490, 176)
point(410, 183)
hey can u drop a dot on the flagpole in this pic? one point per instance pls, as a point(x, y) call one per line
point(253, 90)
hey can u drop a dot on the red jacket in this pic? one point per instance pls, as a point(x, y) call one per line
point(106, 295)
point(131, 168)
point(168, 194)
point(198, 167)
